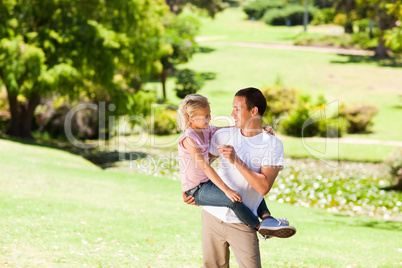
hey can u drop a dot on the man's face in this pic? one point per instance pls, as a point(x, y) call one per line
point(240, 113)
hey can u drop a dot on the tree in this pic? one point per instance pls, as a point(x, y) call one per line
point(180, 45)
point(211, 6)
point(388, 14)
point(346, 6)
point(188, 82)
point(79, 48)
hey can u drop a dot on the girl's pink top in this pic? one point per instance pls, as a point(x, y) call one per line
point(190, 173)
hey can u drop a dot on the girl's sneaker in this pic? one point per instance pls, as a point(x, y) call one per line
point(276, 227)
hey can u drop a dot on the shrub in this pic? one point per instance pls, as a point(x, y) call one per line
point(299, 123)
point(257, 8)
point(359, 117)
point(323, 16)
point(4, 110)
point(164, 121)
point(332, 128)
point(329, 14)
point(280, 101)
point(188, 82)
point(340, 19)
point(325, 40)
point(309, 119)
point(394, 164)
point(290, 13)
point(363, 24)
point(363, 40)
point(356, 40)
point(275, 17)
point(300, 111)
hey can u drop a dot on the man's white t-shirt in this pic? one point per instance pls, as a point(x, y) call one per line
point(256, 151)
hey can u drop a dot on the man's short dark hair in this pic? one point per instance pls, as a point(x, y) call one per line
point(254, 98)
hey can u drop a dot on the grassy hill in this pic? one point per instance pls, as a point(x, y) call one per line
point(59, 209)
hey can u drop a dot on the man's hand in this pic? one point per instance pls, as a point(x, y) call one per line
point(189, 199)
point(269, 130)
point(229, 153)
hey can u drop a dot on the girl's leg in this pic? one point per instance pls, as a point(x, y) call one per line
point(262, 210)
point(210, 195)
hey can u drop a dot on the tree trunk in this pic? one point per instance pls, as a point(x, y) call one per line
point(348, 27)
point(174, 6)
point(381, 51)
point(349, 23)
point(163, 79)
point(396, 187)
point(21, 115)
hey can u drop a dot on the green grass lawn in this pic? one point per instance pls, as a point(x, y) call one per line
point(58, 209)
point(341, 78)
point(315, 73)
point(333, 150)
point(232, 25)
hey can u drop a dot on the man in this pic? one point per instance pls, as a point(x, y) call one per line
point(249, 162)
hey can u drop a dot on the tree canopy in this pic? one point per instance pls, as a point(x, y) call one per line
point(211, 6)
point(388, 15)
point(79, 48)
point(179, 40)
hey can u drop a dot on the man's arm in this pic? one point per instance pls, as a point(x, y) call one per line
point(261, 182)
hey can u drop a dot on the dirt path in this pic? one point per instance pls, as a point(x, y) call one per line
point(332, 50)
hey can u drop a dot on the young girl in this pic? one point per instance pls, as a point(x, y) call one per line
point(198, 178)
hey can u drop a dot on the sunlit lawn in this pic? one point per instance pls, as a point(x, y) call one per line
point(316, 73)
point(232, 26)
point(60, 210)
point(340, 78)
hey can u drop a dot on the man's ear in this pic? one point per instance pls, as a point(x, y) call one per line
point(254, 111)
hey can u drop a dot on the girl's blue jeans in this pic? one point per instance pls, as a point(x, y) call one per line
point(208, 194)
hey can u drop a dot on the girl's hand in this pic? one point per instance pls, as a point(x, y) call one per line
point(269, 130)
point(233, 195)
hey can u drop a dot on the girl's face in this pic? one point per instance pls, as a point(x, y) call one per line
point(201, 119)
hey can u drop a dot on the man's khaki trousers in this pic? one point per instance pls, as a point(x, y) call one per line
point(218, 236)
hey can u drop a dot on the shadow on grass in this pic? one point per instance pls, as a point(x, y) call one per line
point(390, 62)
point(205, 50)
point(208, 75)
point(100, 158)
point(107, 159)
point(371, 223)
point(233, 3)
point(397, 107)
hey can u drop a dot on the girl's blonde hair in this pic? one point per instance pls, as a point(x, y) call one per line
point(189, 107)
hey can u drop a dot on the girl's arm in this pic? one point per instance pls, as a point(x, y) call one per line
point(199, 158)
